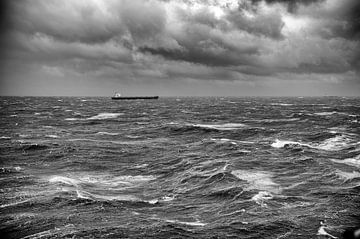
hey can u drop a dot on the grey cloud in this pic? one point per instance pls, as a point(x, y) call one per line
point(268, 25)
point(292, 5)
point(247, 40)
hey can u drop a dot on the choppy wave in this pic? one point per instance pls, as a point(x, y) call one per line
point(281, 104)
point(348, 175)
point(259, 180)
point(322, 232)
point(262, 197)
point(339, 142)
point(104, 187)
point(102, 116)
point(226, 126)
point(197, 223)
point(209, 174)
point(355, 161)
point(52, 136)
point(334, 113)
point(107, 133)
point(276, 120)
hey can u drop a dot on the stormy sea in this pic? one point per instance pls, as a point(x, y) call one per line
point(179, 167)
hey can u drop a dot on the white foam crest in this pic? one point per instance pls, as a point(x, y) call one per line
point(52, 136)
point(282, 143)
point(224, 140)
point(14, 203)
point(167, 198)
point(336, 143)
point(197, 223)
point(333, 112)
point(261, 197)
point(99, 197)
point(259, 180)
point(282, 104)
point(5, 137)
point(325, 113)
point(277, 120)
point(349, 161)
point(105, 116)
point(72, 119)
point(322, 232)
point(103, 180)
point(106, 133)
point(227, 126)
point(348, 175)
point(64, 180)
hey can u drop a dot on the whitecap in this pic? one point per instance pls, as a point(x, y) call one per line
point(332, 113)
point(98, 197)
point(167, 198)
point(227, 126)
point(64, 180)
point(322, 232)
point(336, 143)
point(14, 203)
point(261, 197)
point(282, 104)
point(24, 135)
point(348, 175)
point(224, 140)
point(107, 133)
point(325, 113)
point(105, 116)
point(282, 143)
point(349, 161)
point(259, 180)
point(5, 137)
point(72, 119)
point(277, 120)
point(37, 113)
point(102, 180)
point(17, 168)
point(52, 136)
point(153, 201)
point(197, 223)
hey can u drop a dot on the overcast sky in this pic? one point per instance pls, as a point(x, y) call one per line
point(180, 47)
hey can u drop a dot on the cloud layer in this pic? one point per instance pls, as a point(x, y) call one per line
point(245, 40)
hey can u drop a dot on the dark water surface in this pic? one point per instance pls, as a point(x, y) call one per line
point(179, 168)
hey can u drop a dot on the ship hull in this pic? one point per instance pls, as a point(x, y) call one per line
point(135, 98)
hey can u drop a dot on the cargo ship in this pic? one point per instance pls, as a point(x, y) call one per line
point(118, 96)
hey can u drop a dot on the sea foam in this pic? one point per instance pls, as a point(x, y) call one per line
point(105, 116)
point(106, 133)
point(261, 197)
point(348, 175)
point(349, 161)
point(197, 223)
point(227, 126)
point(336, 143)
point(259, 180)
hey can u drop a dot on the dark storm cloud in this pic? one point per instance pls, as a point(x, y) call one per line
point(343, 20)
point(207, 54)
point(268, 25)
point(138, 38)
point(292, 5)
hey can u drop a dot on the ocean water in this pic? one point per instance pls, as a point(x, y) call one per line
point(179, 167)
